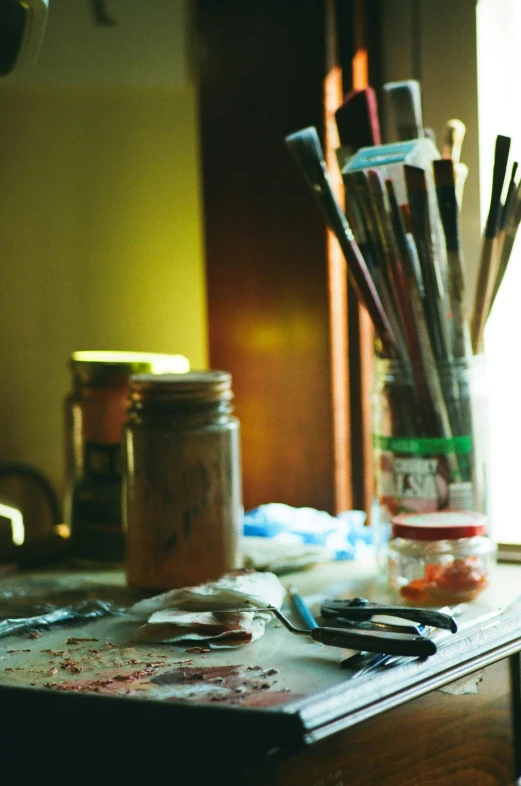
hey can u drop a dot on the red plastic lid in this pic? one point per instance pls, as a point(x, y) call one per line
point(442, 525)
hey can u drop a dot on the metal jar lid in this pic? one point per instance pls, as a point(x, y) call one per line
point(97, 366)
point(194, 387)
point(440, 525)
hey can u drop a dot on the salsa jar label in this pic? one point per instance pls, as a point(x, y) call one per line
point(415, 475)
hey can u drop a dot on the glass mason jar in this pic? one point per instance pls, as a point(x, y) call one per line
point(95, 412)
point(430, 439)
point(183, 497)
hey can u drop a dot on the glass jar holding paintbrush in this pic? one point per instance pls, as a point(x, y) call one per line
point(436, 461)
point(400, 238)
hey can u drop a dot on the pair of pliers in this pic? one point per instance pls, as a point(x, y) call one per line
point(359, 613)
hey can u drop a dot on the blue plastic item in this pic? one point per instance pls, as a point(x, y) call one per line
point(344, 535)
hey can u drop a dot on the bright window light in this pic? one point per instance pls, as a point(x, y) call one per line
point(17, 522)
point(499, 65)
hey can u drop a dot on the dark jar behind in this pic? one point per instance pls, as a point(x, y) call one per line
point(95, 412)
point(183, 497)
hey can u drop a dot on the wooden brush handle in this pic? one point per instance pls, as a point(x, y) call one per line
point(484, 291)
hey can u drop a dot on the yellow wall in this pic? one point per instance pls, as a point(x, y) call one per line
point(100, 243)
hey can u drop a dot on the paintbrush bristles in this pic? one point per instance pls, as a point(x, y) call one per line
point(407, 108)
point(498, 178)
point(357, 119)
point(445, 180)
point(307, 151)
point(489, 259)
point(444, 172)
point(509, 222)
point(415, 179)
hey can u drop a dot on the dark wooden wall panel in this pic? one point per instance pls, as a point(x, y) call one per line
point(261, 77)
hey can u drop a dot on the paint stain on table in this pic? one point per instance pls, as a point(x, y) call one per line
point(127, 671)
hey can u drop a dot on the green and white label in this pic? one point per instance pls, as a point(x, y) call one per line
point(414, 474)
point(424, 446)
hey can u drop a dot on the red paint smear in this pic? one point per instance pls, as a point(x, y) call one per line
point(196, 674)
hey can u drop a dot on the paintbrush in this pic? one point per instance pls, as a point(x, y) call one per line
point(417, 195)
point(357, 120)
point(357, 185)
point(306, 149)
point(429, 365)
point(444, 177)
point(405, 98)
point(302, 609)
point(358, 206)
point(394, 274)
point(434, 301)
point(405, 213)
point(357, 192)
point(489, 261)
point(455, 131)
point(512, 225)
point(509, 198)
point(359, 201)
point(508, 219)
point(356, 221)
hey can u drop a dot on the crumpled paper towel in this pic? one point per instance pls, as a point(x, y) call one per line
point(280, 556)
point(200, 613)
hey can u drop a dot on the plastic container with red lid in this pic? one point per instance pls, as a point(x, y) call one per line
point(440, 558)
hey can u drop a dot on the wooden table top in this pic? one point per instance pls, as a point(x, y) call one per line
point(282, 690)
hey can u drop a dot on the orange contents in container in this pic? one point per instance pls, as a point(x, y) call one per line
point(461, 580)
point(440, 558)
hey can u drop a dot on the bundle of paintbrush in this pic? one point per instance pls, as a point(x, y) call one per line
point(504, 217)
point(400, 236)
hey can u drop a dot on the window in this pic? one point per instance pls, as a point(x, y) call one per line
point(499, 64)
